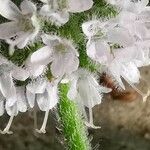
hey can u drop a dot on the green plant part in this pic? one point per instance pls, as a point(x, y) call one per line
point(72, 123)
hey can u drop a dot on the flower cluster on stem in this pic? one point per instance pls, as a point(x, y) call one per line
point(121, 45)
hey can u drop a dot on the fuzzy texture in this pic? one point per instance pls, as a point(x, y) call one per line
point(71, 120)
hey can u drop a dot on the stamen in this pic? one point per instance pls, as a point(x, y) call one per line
point(42, 129)
point(90, 116)
point(144, 96)
point(90, 123)
point(35, 118)
point(6, 130)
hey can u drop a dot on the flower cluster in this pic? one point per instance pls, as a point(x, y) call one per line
point(120, 45)
point(57, 53)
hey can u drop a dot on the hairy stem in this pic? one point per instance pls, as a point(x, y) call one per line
point(72, 122)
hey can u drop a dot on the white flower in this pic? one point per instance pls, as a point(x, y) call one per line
point(46, 95)
point(61, 53)
point(120, 50)
point(21, 103)
point(114, 60)
point(86, 91)
point(19, 106)
point(98, 47)
point(24, 25)
point(8, 72)
point(13, 100)
point(58, 10)
point(123, 63)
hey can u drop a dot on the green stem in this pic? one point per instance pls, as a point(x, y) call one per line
point(72, 123)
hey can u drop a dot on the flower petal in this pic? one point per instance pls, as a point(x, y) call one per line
point(18, 38)
point(23, 43)
point(126, 17)
point(141, 5)
point(83, 88)
point(11, 111)
point(130, 72)
point(50, 40)
point(43, 101)
point(27, 7)
point(9, 30)
point(98, 51)
point(45, 10)
point(79, 6)
point(20, 74)
point(42, 56)
point(58, 17)
point(72, 65)
point(145, 15)
point(30, 98)
point(58, 66)
point(9, 10)
point(21, 99)
point(91, 28)
point(8, 89)
point(37, 70)
point(141, 31)
point(34, 70)
point(120, 36)
point(37, 86)
point(72, 93)
point(115, 72)
point(53, 94)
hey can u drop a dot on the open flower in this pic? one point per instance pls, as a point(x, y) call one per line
point(58, 10)
point(60, 52)
point(86, 91)
point(8, 72)
point(24, 25)
point(45, 93)
point(119, 51)
point(12, 98)
point(20, 105)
